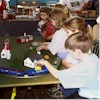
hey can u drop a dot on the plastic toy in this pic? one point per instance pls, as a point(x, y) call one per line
point(56, 63)
point(25, 38)
point(11, 71)
point(33, 72)
point(37, 68)
point(19, 73)
point(31, 60)
point(5, 53)
point(30, 72)
point(46, 56)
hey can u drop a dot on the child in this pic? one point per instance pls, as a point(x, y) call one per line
point(72, 24)
point(48, 29)
point(43, 17)
point(57, 17)
point(84, 75)
point(45, 26)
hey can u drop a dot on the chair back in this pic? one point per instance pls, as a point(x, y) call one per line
point(95, 48)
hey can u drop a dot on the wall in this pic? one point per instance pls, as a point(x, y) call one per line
point(15, 2)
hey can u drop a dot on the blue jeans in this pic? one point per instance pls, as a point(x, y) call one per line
point(68, 92)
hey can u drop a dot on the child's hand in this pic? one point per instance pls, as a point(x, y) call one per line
point(42, 62)
point(43, 46)
point(39, 48)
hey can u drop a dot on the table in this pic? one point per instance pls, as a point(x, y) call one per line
point(46, 79)
point(18, 26)
point(19, 52)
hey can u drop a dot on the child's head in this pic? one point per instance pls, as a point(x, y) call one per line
point(77, 44)
point(57, 17)
point(44, 12)
point(63, 7)
point(74, 23)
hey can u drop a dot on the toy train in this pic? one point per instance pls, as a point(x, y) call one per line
point(21, 73)
point(30, 72)
point(11, 71)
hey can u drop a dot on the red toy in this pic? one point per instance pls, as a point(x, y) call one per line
point(25, 38)
point(5, 53)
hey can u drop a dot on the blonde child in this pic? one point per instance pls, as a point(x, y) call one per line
point(48, 29)
point(72, 24)
point(57, 17)
point(85, 74)
point(67, 11)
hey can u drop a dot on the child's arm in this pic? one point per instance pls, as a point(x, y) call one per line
point(49, 37)
point(43, 34)
point(49, 66)
point(90, 31)
point(42, 47)
point(66, 64)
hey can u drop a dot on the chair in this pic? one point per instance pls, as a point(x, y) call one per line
point(95, 48)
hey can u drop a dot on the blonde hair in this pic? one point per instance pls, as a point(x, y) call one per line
point(59, 16)
point(63, 7)
point(74, 22)
point(77, 22)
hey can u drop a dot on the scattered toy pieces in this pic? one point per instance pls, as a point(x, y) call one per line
point(5, 53)
point(46, 57)
point(56, 62)
point(39, 52)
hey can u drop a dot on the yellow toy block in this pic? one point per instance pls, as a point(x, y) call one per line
point(38, 68)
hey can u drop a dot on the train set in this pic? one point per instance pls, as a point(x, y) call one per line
point(29, 61)
point(30, 72)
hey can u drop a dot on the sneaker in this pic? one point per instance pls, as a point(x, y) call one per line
point(57, 94)
point(53, 89)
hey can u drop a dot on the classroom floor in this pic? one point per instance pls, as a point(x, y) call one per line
point(26, 93)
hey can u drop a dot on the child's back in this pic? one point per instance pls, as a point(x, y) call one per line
point(85, 74)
